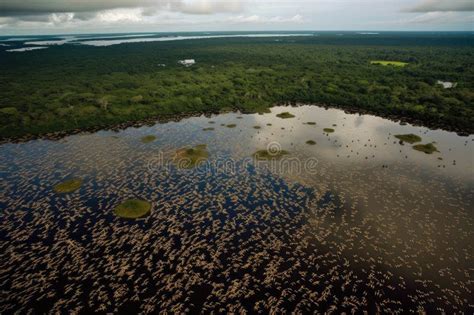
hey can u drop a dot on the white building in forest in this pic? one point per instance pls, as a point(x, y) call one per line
point(187, 62)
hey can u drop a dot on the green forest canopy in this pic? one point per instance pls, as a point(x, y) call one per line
point(69, 87)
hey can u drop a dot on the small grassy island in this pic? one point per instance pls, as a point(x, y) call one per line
point(188, 158)
point(409, 138)
point(311, 142)
point(225, 110)
point(148, 139)
point(133, 209)
point(389, 63)
point(231, 126)
point(265, 155)
point(329, 130)
point(257, 127)
point(426, 148)
point(285, 115)
point(68, 186)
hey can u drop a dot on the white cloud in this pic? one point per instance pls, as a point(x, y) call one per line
point(120, 16)
point(265, 20)
point(61, 18)
point(207, 6)
point(86, 13)
point(78, 16)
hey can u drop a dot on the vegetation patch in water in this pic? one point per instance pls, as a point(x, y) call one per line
point(225, 110)
point(409, 138)
point(311, 123)
point(133, 209)
point(231, 126)
point(68, 186)
point(265, 155)
point(208, 129)
point(264, 111)
point(389, 63)
point(148, 139)
point(311, 142)
point(187, 158)
point(285, 115)
point(328, 130)
point(426, 148)
point(257, 127)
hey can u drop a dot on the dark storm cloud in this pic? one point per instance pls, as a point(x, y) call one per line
point(41, 7)
point(31, 7)
point(443, 5)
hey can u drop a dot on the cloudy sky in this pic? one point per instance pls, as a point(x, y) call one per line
point(87, 16)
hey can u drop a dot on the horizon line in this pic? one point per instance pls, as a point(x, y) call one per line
point(240, 31)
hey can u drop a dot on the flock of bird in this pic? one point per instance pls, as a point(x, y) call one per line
point(349, 238)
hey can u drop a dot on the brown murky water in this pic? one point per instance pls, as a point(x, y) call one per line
point(357, 221)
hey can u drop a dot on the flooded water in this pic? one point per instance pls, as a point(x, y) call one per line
point(355, 221)
point(26, 49)
point(179, 38)
point(110, 40)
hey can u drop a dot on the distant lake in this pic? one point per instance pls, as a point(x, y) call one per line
point(109, 40)
point(369, 215)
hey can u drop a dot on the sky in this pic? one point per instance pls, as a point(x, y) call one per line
point(115, 16)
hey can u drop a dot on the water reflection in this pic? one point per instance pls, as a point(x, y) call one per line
point(378, 222)
point(367, 141)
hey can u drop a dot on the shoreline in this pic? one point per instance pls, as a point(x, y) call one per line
point(58, 135)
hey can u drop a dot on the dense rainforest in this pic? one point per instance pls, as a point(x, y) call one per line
point(76, 86)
